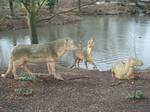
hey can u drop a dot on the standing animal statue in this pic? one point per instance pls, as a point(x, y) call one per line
point(84, 54)
point(48, 53)
point(125, 70)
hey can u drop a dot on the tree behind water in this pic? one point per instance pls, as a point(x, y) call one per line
point(32, 7)
point(11, 7)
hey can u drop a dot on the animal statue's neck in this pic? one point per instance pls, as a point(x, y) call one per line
point(61, 52)
point(60, 49)
point(89, 50)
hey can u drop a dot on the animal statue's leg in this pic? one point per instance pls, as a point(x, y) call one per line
point(26, 69)
point(74, 64)
point(5, 74)
point(95, 67)
point(57, 76)
point(113, 73)
point(10, 67)
point(24, 66)
point(113, 76)
point(49, 69)
point(78, 63)
point(130, 73)
point(85, 62)
point(14, 71)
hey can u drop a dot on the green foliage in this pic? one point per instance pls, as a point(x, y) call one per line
point(51, 4)
point(28, 78)
point(136, 94)
point(24, 91)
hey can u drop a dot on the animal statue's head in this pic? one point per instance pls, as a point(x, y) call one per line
point(91, 42)
point(133, 61)
point(70, 45)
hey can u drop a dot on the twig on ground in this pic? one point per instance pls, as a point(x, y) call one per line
point(116, 84)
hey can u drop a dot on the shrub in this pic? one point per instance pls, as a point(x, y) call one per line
point(28, 78)
point(136, 94)
point(24, 91)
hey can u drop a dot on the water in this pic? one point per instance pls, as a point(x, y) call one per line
point(117, 37)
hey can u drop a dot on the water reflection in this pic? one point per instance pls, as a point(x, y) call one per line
point(114, 37)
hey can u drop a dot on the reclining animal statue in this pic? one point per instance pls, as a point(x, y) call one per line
point(48, 53)
point(84, 54)
point(125, 70)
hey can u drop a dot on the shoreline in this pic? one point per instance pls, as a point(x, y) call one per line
point(16, 24)
point(12, 25)
point(20, 21)
point(43, 69)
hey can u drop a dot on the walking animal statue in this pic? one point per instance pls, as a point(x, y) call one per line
point(48, 53)
point(125, 70)
point(84, 54)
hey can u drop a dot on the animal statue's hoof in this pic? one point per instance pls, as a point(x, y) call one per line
point(71, 66)
point(95, 68)
point(130, 77)
point(58, 77)
point(16, 77)
point(3, 75)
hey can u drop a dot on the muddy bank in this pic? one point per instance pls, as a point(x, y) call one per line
point(115, 8)
point(82, 91)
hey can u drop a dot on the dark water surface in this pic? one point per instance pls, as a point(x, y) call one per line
point(117, 37)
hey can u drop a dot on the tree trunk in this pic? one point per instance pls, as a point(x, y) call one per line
point(32, 27)
point(79, 5)
point(57, 3)
point(11, 7)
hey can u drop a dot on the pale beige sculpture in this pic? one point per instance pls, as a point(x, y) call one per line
point(48, 53)
point(84, 54)
point(125, 70)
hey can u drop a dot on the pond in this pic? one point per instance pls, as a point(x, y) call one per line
point(117, 37)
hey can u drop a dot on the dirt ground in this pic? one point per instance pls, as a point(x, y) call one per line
point(82, 91)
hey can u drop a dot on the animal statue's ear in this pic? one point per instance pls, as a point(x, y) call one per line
point(92, 38)
point(67, 40)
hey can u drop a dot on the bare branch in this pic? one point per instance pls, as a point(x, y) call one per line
point(40, 6)
point(66, 11)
